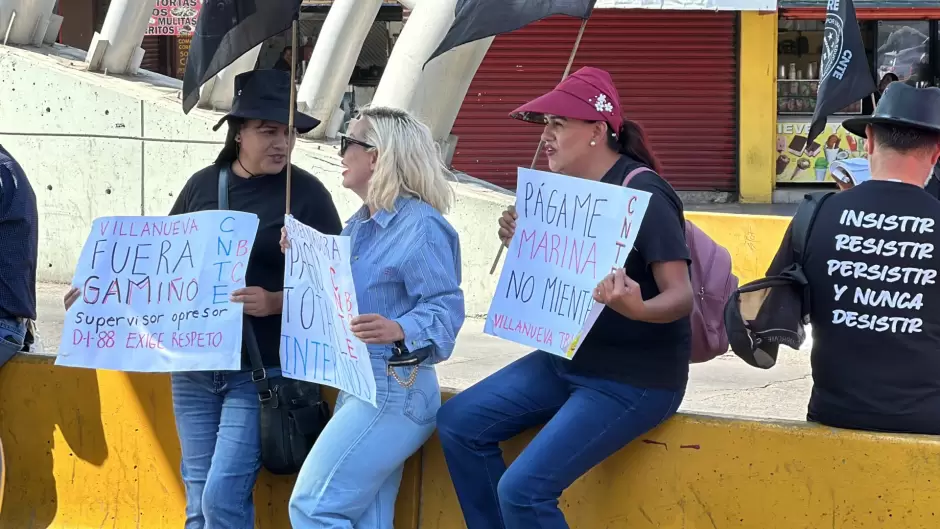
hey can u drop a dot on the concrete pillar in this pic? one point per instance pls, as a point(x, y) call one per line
point(444, 84)
point(436, 92)
point(117, 48)
point(334, 57)
point(218, 93)
point(31, 23)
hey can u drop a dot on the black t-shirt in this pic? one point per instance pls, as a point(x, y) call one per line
point(872, 259)
point(264, 196)
point(646, 355)
point(933, 183)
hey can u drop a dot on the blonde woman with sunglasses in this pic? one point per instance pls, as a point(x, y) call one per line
point(406, 268)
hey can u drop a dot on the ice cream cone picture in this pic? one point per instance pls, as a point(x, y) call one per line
point(852, 142)
point(782, 162)
point(802, 165)
point(822, 168)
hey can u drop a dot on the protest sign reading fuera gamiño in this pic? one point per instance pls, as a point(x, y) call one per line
point(569, 235)
point(155, 293)
point(319, 302)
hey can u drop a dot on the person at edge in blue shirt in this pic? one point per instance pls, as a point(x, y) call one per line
point(406, 269)
point(19, 236)
point(631, 371)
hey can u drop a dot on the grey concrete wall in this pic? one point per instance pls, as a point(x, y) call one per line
point(95, 145)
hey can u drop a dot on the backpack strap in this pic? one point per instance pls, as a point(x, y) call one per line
point(259, 374)
point(803, 222)
point(634, 172)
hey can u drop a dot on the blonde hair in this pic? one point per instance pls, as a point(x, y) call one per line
point(409, 162)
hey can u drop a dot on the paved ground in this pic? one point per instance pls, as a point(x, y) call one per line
point(725, 386)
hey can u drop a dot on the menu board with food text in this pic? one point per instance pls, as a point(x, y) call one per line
point(182, 53)
point(174, 17)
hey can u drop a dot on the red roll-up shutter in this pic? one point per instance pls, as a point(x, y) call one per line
point(676, 72)
point(153, 54)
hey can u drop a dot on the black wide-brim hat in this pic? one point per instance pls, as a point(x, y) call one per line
point(265, 95)
point(903, 105)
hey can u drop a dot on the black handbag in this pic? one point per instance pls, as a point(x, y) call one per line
point(293, 412)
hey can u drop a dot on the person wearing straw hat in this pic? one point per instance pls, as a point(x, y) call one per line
point(631, 371)
point(218, 413)
point(871, 261)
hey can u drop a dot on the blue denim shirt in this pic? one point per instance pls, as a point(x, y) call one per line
point(406, 267)
point(19, 241)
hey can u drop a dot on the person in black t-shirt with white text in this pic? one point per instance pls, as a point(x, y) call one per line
point(631, 371)
point(872, 260)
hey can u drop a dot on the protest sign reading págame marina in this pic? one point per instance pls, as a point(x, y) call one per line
point(155, 293)
point(570, 233)
point(319, 302)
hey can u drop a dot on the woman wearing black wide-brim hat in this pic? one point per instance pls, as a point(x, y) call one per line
point(218, 414)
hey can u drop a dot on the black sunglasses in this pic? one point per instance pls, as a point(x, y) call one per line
point(345, 141)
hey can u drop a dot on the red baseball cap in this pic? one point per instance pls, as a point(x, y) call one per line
point(588, 94)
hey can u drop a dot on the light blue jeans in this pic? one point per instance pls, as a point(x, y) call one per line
point(12, 337)
point(351, 477)
point(218, 420)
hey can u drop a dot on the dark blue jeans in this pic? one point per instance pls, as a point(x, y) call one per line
point(586, 420)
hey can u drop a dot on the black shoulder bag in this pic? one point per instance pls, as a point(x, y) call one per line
point(292, 411)
point(768, 312)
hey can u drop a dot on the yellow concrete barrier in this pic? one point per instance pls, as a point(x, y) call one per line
point(99, 449)
point(92, 450)
point(88, 449)
point(752, 239)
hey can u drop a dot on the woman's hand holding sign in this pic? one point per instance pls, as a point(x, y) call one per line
point(507, 225)
point(376, 329)
point(622, 294)
point(285, 242)
point(259, 302)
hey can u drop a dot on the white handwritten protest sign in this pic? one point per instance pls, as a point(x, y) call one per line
point(569, 235)
point(896, 260)
point(319, 302)
point(155, 293)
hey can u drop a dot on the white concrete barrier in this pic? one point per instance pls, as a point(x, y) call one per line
point(95, 145)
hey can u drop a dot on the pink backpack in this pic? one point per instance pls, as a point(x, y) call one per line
point(713, 284)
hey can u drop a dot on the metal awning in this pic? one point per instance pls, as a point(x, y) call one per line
point(690, 5)
point(865, 4)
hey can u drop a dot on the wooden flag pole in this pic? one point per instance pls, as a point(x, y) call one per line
point(293, 104)
point(538, 150)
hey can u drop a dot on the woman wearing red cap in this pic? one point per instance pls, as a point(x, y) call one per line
point(631, 372)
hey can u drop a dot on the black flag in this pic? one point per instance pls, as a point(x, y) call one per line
point(479, 19)
point(844, 74)
point(228, 29)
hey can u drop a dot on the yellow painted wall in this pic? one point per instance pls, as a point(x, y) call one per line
point(88, 449)
point(757, 100)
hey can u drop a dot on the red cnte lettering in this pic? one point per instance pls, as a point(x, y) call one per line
point(242, 248)
point(240, 278)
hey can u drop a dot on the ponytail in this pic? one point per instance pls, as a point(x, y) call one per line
point(631, 141)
